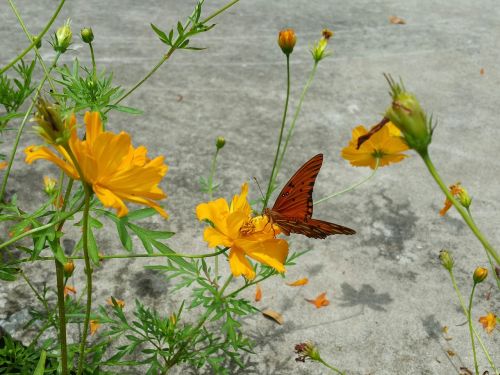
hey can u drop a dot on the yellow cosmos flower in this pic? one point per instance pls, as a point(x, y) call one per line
point(110, 164)
point(235, 228)
point(386, 145)
point(489, 322)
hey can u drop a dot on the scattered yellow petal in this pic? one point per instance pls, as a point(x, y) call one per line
point(396, 20)
point(451, 353)
point(299, 282)
point(3, 165)
point(319, 301)
point(120, 303)
point(69, 289)
point(258, 293)
point(94, 326)
point(489, 322)
point(276, 316)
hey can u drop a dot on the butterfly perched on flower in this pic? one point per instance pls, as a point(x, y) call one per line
point(293, 208)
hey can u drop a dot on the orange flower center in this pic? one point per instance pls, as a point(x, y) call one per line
point(247, 228)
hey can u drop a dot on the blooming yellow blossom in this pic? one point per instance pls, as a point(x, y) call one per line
point(109, 163)
point(235, 228)
point(489, 322)
point(385, 145)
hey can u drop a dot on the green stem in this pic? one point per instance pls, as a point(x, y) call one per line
point(226, 284)
point(283, 121)
point(30, 38)
point(469, 320)
point(88, 272)
point(20, 131)
point(237, 291)
point(295, 116)
point(466, 313)
point(352, 187)
point(460, 209)
point(42, 300)
point(330, 367)
point(62, 316)
point(94, 67)
point(211, 176)
point(127, 256)
point(34, 41)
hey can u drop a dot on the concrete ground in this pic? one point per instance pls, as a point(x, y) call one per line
point(390, 298)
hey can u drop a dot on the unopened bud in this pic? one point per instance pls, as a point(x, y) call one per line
point(63, 37)
point(318, 51)
point(69, 267)
point(406, 113)
point(287, 40)
point(307, 350)
point(87, 35)
point(446, 259)
point(51, 125)
point(464, 198)
point(479, 275)
point(220, 142)
point(49, 184)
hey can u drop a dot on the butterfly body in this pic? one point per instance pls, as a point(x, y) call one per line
point(293, 208)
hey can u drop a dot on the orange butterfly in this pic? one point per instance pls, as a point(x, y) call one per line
point(293, 209)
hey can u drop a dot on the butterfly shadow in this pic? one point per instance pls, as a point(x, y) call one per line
point(366, 297)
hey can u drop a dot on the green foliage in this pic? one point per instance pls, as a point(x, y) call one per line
point(14, 91)
point(178, 38)
point(15, 358)
point(82, 89)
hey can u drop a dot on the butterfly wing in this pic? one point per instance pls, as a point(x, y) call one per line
point(295, 200)
point(311, 228)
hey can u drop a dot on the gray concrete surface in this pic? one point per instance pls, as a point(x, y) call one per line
point(389, 295)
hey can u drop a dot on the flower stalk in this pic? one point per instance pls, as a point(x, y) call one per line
point(469, 320)
point(461, 210)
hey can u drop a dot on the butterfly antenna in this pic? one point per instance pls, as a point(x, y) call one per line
point(258, 185)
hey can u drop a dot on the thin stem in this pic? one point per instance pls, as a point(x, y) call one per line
point(295, 116)
point(88, 272)
point(30, 38)
point(466, 313)
point(62, 316)
point(226, 284)
point(94, 68)
point(330, 367)
point(34, 41)
point(42, 300)
point(20, 131)
point(211, 176)
point(469, 320)
point(127, 256)
point(283, 121)
point(237, 291)
point(460, 209)
point(352, 187)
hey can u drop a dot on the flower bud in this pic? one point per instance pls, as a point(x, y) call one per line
point(51, 126)
point(69, 267)
point(63, 37)
point(307, 350)
point(37, 40)
point(318, 50)
point(87, 35)
point(446, 259)
point(287, 40)
point(406, 113)
point(479, 275)
point(220, 142)
point(49, 184)
point(464, 198)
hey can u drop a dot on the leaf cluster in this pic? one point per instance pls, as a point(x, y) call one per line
point(178, 38)
point(82, 89)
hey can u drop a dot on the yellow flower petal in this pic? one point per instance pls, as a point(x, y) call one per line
point(41, 152)
point(240, 265)
point(272, 252)
point(216, 238)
